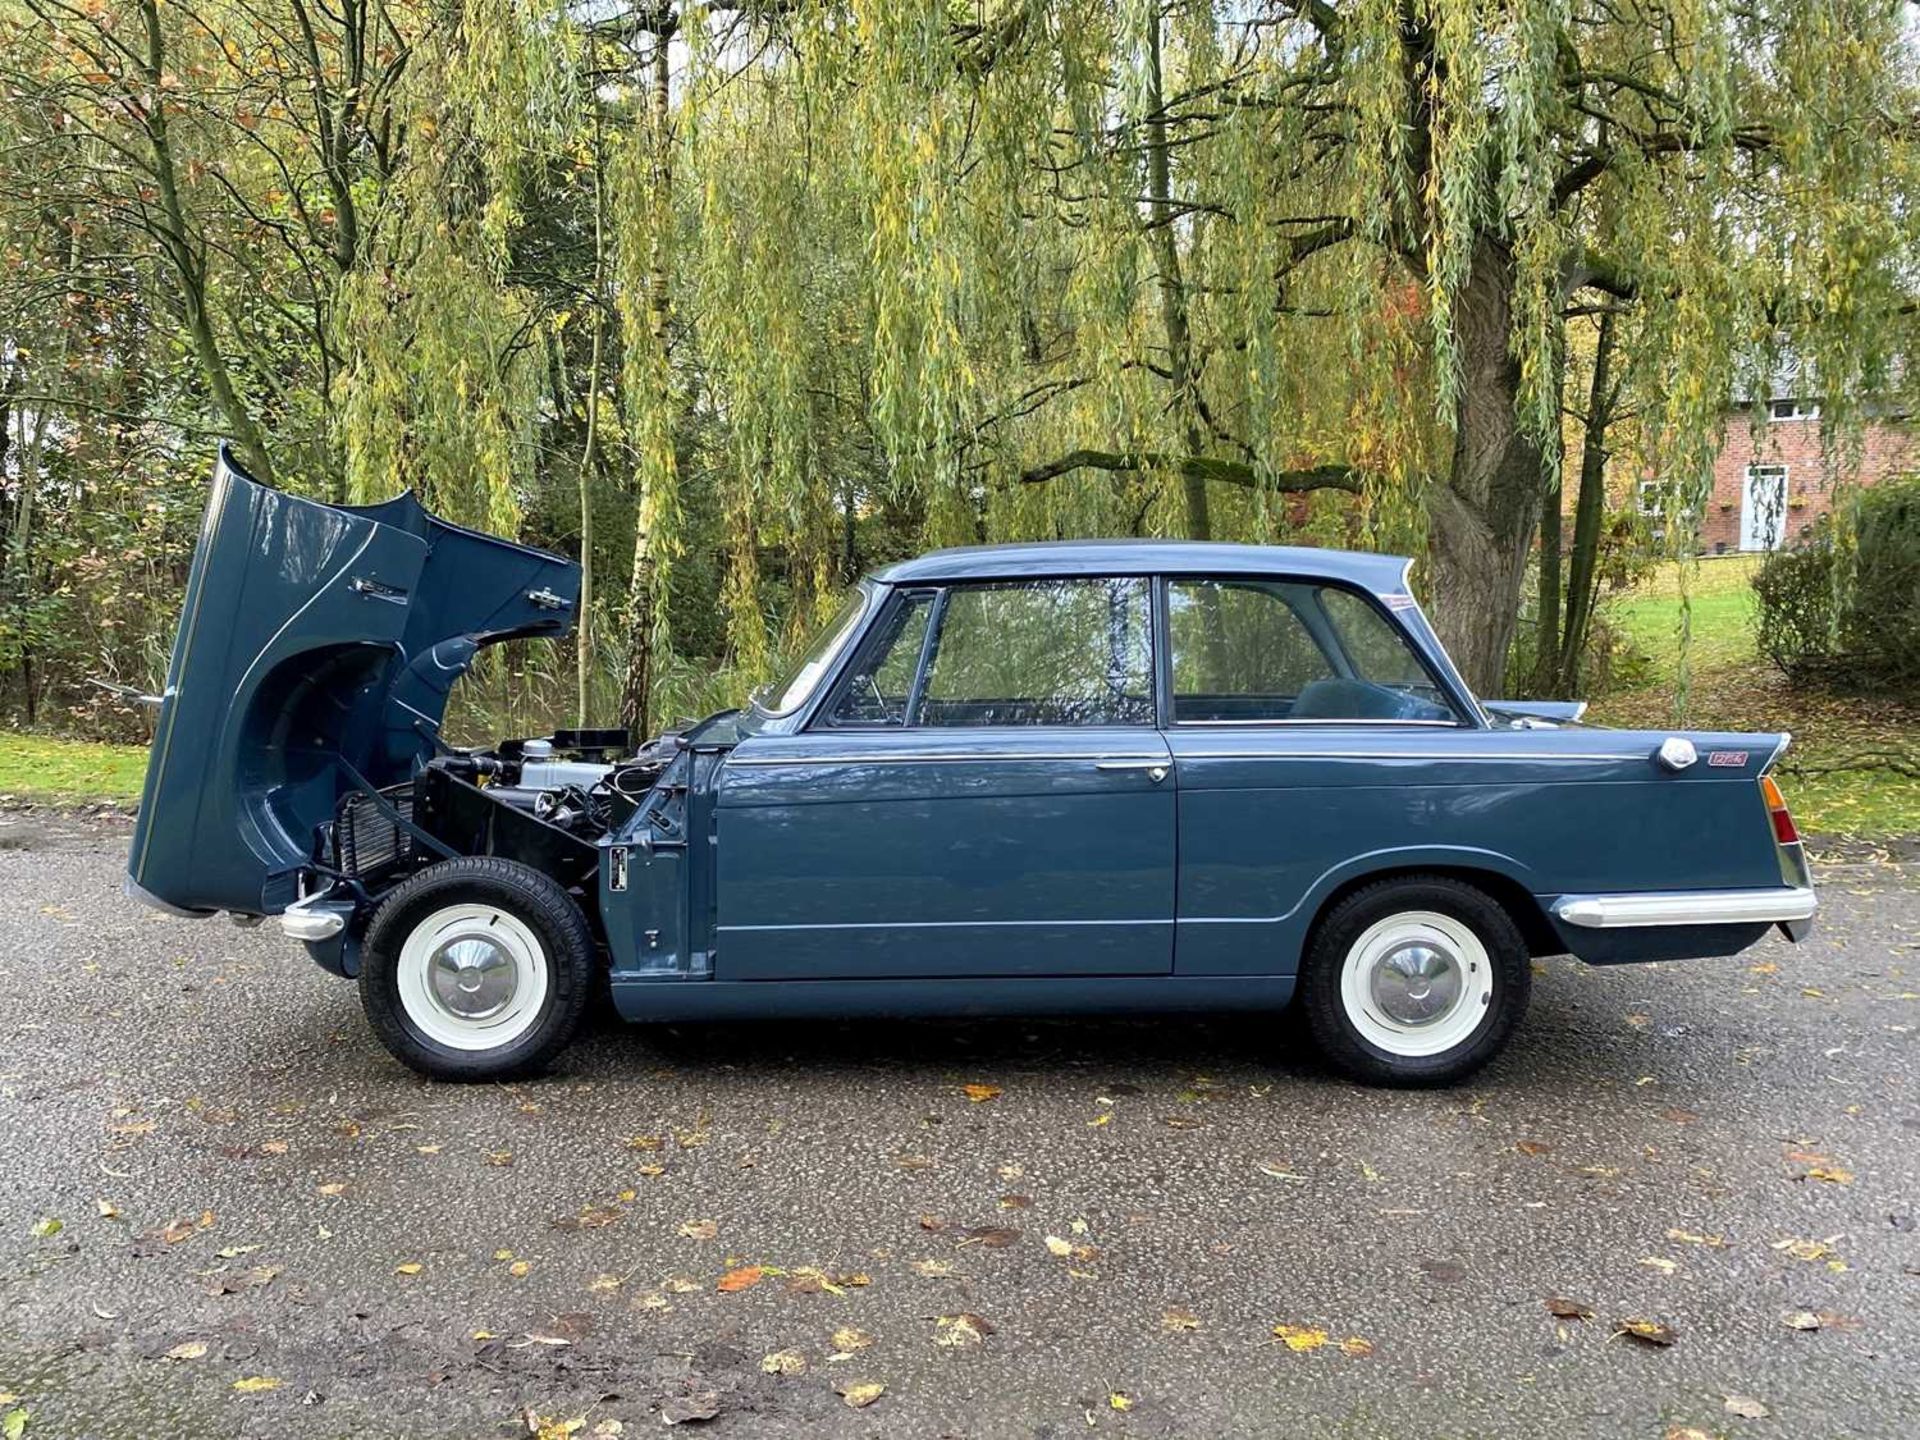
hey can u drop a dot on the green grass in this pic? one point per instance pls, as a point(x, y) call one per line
point(1832, 789)
point(36, 767)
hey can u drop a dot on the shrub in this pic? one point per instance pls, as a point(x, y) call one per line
point(1873, 637)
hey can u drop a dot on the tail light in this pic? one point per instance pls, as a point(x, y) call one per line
point(1784, 830)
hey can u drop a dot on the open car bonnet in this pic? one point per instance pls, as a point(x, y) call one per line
point(316, 649)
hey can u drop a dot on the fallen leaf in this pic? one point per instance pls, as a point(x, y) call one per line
point(1648, 1332)
point(604, 1283)
point(959, 1331)
point(1301, 1337)
point(1058, 1247)
point(847, 1339)
point(13, 1424)
point(1356, 1345)
point(1800, 1320)
point(408, 1267)
point(1746, 1407)
point(334, 1187)
point(502, 1158)
point(1532, 1147)
point(861, 1396)
point(1694, 1237)
point(254, 1384)
point(1660, 1263)
point(519, 1269)
point(745, 1278)
point(691, 1409)
point(934, 1269)
point(188, 1350)
point(1118, 1401)
point(1562, 1308)
point(46, 1227)
point(700, 1229)
point(106, 1209)
point(1832, 1174)
point(784, 1362)
point(1177, 1320)
point(994, 1237)
point(980, 1094)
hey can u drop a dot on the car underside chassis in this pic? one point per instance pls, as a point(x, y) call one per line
point(543, 803)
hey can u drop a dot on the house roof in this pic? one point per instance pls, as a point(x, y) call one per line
point(1382, 574)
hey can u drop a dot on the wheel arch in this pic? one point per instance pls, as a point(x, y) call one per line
point(1493, 875)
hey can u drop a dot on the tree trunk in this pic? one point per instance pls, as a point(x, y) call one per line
point(1482, 520)
point(583, 616)
point(1546, 652)
point(1173, 294)
point(189, 263)
point(636, 691)
point(1589, 511)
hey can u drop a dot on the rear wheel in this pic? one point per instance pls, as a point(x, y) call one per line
point(1415, 981)
point(477, 969)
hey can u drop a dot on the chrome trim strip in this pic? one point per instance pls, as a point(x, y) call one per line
point(1688, 907)
point(945, 925)
point(1396, 755)
point(1326, 724)
point(936, 757)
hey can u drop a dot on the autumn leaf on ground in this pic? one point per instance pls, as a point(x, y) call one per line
point(980, 1094)
point(1562, 1308)
point(994, 1237)
point(408, 1267)
point(960, 1330)
point(1832, 1174)
point(1058, 1247)
point(934, 1269)
point(1356, 1345)
point(334, 1187)
point(254, 1384)
point(745, 1278)
point(1800, 1320)
point(13, 1424)
point(700, 1229)
point(1301, 1337)
point(1648, 1332)
point(46, 1227)
point(1660, 1263)
point(1119, 1401)
point(784, 1362)
point(861, 1396)
point(106, 1209)
point(188, 1350)
point(1694, 1237)
point(702, 1405)
point(847, 1339)
point(1746, 1407)
point(1532, 1147)
point(1177, 1320)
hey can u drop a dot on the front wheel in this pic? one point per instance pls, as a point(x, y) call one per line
point(477, 969)
point(1415, 981)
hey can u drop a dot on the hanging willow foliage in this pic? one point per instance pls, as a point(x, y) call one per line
point(882, 274)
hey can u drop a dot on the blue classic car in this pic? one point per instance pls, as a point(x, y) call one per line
point(1101, 776)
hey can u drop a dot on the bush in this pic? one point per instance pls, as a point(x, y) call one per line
point(1872, 638)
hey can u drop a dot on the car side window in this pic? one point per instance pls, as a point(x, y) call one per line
point(879, 687)
point(1268, 651)
point(1046, 652)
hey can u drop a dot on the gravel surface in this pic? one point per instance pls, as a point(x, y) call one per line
point(267, 1228)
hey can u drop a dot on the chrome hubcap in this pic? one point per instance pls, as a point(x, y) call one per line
point(473, 978)
point(1417, 983)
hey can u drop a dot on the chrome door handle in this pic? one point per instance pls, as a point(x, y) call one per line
point(1156, 769)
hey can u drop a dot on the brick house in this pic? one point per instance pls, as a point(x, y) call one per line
point(1767, 490)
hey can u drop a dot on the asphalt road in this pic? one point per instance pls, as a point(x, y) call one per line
point(269, 1229)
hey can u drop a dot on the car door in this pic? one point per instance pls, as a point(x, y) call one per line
point(1305, 728)
point(982, 793)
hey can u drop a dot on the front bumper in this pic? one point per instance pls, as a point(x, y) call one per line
point(1783, 905)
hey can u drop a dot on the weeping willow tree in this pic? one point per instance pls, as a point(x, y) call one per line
point(738, 298)
point(1069, 268)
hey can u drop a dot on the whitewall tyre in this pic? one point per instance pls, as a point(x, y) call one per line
point(477, 969)
point(1415, 981)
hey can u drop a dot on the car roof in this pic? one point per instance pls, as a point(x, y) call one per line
point(1382, 574)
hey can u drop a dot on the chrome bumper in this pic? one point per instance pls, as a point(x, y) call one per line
point(1688, 907)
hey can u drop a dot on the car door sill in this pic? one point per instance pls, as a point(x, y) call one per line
point(662, 999)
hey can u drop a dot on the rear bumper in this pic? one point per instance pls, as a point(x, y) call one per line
point(1781, 905)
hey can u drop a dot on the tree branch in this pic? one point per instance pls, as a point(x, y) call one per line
point(1194, 467)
